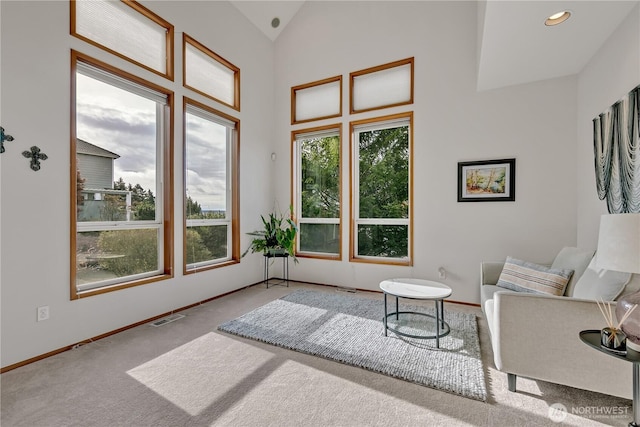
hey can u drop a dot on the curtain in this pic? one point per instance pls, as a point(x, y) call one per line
point(616, 146)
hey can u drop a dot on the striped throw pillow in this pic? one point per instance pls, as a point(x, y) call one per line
point(523, 276)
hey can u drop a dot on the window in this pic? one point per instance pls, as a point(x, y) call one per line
point(383, 86)
point(381, 182)
point(121, 222)
point(211, 193)
point(317, 190)
point(126, 29)
point(209, 74)
point(317, 100)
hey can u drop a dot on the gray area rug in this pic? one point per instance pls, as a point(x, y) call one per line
point(348, 329)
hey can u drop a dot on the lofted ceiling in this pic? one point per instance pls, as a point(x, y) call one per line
point(514, 44)
point(516, 47)
point(262, 13)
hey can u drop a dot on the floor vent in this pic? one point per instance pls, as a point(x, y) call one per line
point(345, 289)
point(166, 320)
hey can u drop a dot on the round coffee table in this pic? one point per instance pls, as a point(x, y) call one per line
point(418, 289)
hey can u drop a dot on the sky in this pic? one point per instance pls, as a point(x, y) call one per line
point(125, 123)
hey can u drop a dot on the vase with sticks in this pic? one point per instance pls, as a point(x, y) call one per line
point(612, 336)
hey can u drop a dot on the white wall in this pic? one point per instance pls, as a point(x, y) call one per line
point(535, 123)
point(35, 107)
point(612, 72)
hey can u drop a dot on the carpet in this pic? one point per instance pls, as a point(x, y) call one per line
point(348, 329)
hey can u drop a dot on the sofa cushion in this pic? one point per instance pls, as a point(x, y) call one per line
point(573, 259)
point(599, 284)
point(523, 276)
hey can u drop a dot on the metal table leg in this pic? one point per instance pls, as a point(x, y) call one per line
point(636, 395)
point(437, 325)
point(385, 314)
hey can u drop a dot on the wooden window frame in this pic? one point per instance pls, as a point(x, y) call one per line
point(235, 189)
point(167, 174)
point(294, 190)
point(376, 69)
point(295, 89)
point(354, 191)
point(148, 14)
point(186, 39)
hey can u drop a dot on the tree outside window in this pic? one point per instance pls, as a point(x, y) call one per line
point(382, 194)
point(317, 184)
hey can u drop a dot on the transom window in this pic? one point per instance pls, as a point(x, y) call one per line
point(317, 191)
point(381, 205)
point(120, 137)
point(211, 170)
point(209, 74)
point(126, 29)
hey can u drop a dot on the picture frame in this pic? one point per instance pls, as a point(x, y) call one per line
point(487, 181)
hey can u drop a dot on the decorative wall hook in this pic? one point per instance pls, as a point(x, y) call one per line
point(35, 155)
point(4, 138)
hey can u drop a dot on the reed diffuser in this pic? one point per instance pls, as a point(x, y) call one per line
point(612, 336)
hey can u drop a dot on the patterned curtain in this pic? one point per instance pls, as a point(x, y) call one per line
point(616, 147)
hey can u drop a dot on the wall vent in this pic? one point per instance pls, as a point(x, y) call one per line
point(167, 319)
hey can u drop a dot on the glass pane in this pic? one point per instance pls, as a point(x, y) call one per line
point(122, 29)
point(206, 243)
point(384, 173)
point(320, 177)
point(106, 255)
point(115, 152)
point(385, 87)
point(324, 238)
point(206, 167)
point(209, 76)
point(389, 241)
point(318, 101)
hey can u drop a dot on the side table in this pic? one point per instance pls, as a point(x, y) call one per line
point(591, 337)
point(285, 267)
point(418, 289)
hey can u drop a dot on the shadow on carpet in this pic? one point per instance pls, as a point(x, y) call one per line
point(348, 329)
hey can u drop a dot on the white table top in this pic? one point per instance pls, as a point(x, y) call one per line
point(415, 288)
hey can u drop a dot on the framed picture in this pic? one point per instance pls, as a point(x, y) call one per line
point(487, 181)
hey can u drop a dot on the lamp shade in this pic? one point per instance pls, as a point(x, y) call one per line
point(619, 243)
point(619, 250)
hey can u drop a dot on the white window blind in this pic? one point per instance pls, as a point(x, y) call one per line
point(386, 87)
point(124, 30)
point(204, 73)
point(317, 101)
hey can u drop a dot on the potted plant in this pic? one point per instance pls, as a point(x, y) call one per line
point(277, 238)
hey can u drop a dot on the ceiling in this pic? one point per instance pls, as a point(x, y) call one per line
point(515, 45)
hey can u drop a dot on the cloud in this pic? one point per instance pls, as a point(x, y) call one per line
point(131, 135)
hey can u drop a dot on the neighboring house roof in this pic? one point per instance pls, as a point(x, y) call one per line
point(84, 147)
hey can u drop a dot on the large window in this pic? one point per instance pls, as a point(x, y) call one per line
point(317, 190)
point(211, 194)
point(121, 196)
point(381, 205)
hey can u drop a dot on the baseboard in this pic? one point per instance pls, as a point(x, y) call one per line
point(151, 319)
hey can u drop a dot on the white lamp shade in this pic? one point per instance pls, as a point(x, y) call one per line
point(619, 243)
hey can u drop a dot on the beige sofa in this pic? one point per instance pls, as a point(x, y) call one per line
point(537, 336)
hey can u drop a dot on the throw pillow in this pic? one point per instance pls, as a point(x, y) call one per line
point(573, 259)
point(598, 284)
point(523, 276)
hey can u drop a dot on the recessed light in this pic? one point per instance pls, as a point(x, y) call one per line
point(557, 18)
point(275, 22)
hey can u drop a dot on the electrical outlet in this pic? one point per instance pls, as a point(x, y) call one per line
point(442, 273)
point(43, 313)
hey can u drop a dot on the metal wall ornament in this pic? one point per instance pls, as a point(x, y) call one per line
point(4, 137)
point(616, 146)
point(35, 155)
